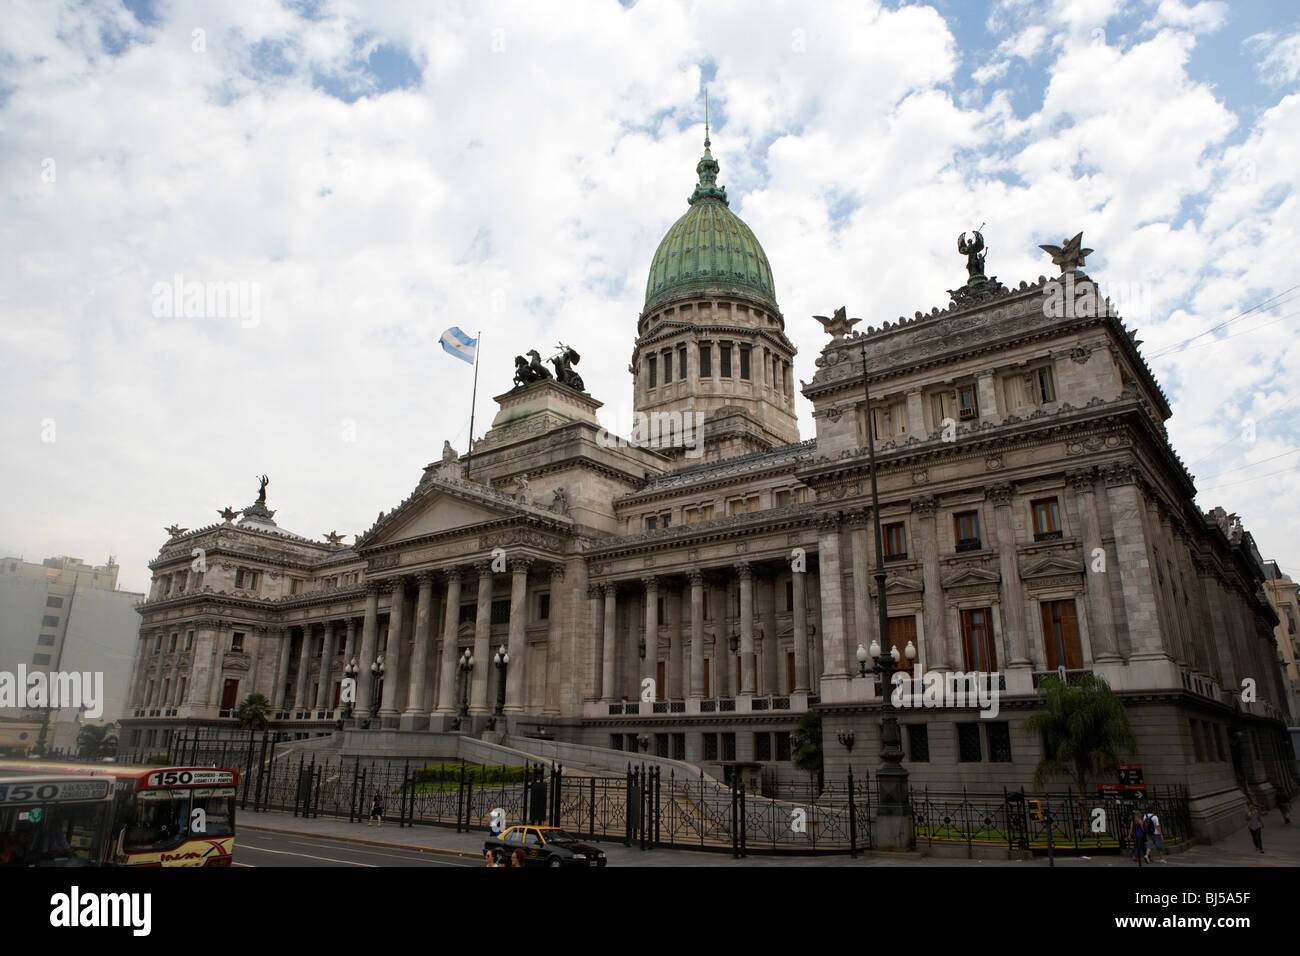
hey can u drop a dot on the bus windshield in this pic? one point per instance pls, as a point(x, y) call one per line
point(165, 818)
point(54, 822)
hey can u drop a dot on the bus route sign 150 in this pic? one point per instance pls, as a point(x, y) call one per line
point(46, 791)
point(191, 778)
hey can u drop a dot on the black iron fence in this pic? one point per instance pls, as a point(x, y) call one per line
point(647, 807)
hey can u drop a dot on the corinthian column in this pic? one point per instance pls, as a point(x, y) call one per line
point(518, 646)
point(1101, 624)
point(799, 615)
point(596, 627)
point(611, 639)
point(937, 649)
point(324, 685)
point(747, 672)
point(648, 668)
point(447, 700)
point(1015, 636)
point(482, 702)
point(369, 640)
point(416, 714)
point(697, 635)
point(393, 651)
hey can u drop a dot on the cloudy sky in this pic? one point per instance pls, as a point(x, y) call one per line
point(370, 173)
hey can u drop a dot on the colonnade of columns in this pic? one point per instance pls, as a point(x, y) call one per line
point(678, 632)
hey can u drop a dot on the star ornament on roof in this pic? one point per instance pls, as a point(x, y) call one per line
point(838, 325)
point(228, 514)
point(333, 537)
point(1069, 256)
point(175, 530)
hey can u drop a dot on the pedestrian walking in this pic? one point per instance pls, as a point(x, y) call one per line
point(1138, 835)
point(1256, 826)
point(1155, 836)
point(376, 809)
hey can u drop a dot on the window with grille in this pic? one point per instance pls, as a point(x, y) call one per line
point(668, 368)
point(999, 734)
point(500, 612)
point(706, 361)
point(681, 364)
point(728, 746)
point(679, 746)
point(783, 745)
point(762, 747)
point(468, 614)
point(54, 602)
point(652, 368)
point(40, 658)
point(918, 743)
point(725, 360)
point(968, 743)
point(661, 745)
point(710, 746)
point(744, 362)
point(49, 621)
point(45, 639)
point(616, 741)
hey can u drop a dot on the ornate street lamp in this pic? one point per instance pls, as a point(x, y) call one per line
point(891, 777)
point(466, 666)
point(501, 660)
point(376, 679)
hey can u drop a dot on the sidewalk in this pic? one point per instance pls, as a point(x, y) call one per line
point(1281, 844)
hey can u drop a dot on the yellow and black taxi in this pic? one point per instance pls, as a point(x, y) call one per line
point(544, 846)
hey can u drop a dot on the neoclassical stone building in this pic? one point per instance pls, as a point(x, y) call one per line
point(1035, 518)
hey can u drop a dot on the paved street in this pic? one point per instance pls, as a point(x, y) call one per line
point(276, 838)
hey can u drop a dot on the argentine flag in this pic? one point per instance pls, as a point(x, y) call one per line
point(459, 344)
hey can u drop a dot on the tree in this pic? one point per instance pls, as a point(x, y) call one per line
point(96, 742)
point(252, 712)
point(1083, 725)
point(806, 744)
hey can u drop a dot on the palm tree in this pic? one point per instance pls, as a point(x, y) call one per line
point(252, 712)
point(1083, 725)
point(96, 742)
point(806, 744)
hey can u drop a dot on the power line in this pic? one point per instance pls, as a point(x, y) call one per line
point(1253, 328)
point(1242, 481)
point(1220, 448)
point(1229, 471)
point(1225, 323)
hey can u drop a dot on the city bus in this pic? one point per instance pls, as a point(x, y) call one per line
point(55, 820)
point(162, 816)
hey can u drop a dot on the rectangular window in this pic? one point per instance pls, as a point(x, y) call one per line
point(681, 364)
point(679, 746)
point(968, 743)
point(977, 640)
point(665, 520)
point(1016, 393)
point(789, 594)
point(1044, 388)
point(180, 697)
point(189, 639)
point(237, 643)
point(1061, 635)
point(879, 422)
point(468, 614)
point(651, 522)
point(999, 734)
point(918, 743)
point(157, 645)
point(710, 746)
point(40, 658)
point(744, 362)
point(1196, 741)
point(295, 586)
point(543, 607)
point(652, 368)
point(941, 408)
point(895, 541)
point(661, 745)
point(54, 602)
point(783, 745)
point(171, 645)
point(967, 528)
point(181, 578)
point(762, 747)
point(47, 639)
point(501, 612)
point(49, 620)
point(728, 746)
point(668, 368)
point(967, 404)
point(706, 361)
point(725, 360)
point(615, 741)
point(691, 515)
point(239, 577)
point(1047, 519)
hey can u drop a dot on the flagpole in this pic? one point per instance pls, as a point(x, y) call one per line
point(469, 449)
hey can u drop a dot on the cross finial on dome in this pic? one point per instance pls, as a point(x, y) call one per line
point(706, 117)
point(707, 168)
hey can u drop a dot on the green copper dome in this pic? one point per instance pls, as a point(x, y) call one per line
point(709, 249)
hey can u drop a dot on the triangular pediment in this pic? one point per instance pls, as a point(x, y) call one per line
point(438, 506)
point(898, 584)
point(971, 576)
point(1051, 565)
